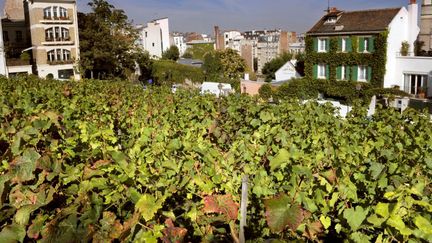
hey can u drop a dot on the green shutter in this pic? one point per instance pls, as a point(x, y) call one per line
point(348, 72)
point(371, 44)
point(361, 44)
point(327, 72)
point(315, 44)
point(315, 71)
point(349, 44)
point(340, 44)
point(339, 73)
point(327, 45)
point(355, 73)
point(369, 73)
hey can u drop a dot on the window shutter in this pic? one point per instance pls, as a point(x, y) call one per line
point(315, 71)
point(327, 72)
point(349, 45)
point(371, 44)
point(348, 72)
point(355, 73)
point(339, 73)
point(315, 43)
point(361, 44)
point(369, 73)
point(327, 45)
point(340, 44)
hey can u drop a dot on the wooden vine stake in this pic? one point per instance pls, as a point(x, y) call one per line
point(243, 208)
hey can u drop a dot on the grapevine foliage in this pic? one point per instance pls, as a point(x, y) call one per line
point(107, 161)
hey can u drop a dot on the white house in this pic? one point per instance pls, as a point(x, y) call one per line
point(155, 37)
point(3, 70)
point(179, 41)
point(287, 72)
point(409, 73)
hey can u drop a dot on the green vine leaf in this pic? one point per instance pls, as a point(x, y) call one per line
point(355, 217)
point(282, 157)
point(148, 206)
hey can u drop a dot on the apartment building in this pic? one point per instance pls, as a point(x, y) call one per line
point(426, 25)
point(42, 35)
point(155, 37)
point(178, 40)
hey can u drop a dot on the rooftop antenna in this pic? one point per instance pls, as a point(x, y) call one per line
point(328, 6)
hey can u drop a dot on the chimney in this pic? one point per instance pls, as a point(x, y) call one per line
point(413, 25)
point(334, 9)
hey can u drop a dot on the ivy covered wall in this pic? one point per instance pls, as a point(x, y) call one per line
point(375, 60)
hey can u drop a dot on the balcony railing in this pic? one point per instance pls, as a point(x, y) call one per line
point(50, 20)
point(17, 62)
point(61, 62)
point(58, 41)
point(423, 92)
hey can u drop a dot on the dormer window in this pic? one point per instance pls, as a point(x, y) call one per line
point(331, 20)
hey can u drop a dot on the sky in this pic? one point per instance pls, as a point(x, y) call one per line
point(202, 15)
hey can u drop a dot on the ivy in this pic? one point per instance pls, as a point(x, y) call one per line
point(376, 60)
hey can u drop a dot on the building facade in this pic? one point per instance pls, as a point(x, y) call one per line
point(41, 37)
point(362, 46)
point(178, 40)
point(155, 37)
point(426, 25)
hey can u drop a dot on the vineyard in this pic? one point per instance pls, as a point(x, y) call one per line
point(110, 162)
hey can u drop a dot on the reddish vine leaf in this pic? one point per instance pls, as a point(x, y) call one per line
point(173, 234)
point(330, 175)
point(222, 204)
point(313, 230)
point(280, 214)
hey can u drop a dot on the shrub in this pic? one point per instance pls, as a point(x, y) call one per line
point(266, 91)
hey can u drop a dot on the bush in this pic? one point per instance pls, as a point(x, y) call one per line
point(266, 91)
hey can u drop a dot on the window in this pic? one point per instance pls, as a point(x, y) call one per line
point(322, 71)
point(344, 44)
point(65, 33)
point(55, 13)
point(5, 36)
point(47, 13)
point(63, 12)
point(342, 73)
point(65, 73)
point(322, 45)
point(51, 56)
point(362, 73)
point(66, 55)
point(59, 55)
point(49, 34)
point(57, 33)
point(18, 36)
point(153, 44)
point(416, 84)
point(366, 44)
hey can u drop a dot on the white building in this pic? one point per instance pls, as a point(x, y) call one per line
point(179, 41)
point(155, 37)
point(3, 70)
point(410, 73)
point(232, 40)
point(287, 72)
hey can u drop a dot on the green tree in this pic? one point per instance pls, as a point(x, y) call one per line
point(233, 65)
point(171, 54)
point(271, 67)
point(198, 51)
point(145, 63)
point(212, 67)
point(107, 42)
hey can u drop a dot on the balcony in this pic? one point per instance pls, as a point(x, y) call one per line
point(17, 62)
point(61, 62)
point(57, 41)
point(56, 20)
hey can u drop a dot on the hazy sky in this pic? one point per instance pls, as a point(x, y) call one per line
point(202, 15)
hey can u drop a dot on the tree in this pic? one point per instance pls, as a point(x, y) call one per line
point(198, 51)
point(172, 53)
point(212, 67)
point(107, 42)
point(233, 65)
point(271, 67)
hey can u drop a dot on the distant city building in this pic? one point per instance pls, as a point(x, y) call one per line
point(41, 37)
point(155, 37)
point(299, 46)
point(232, 40)
point(426, 25)
point(219, 38)
point(178, 40)
point(193, 36)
